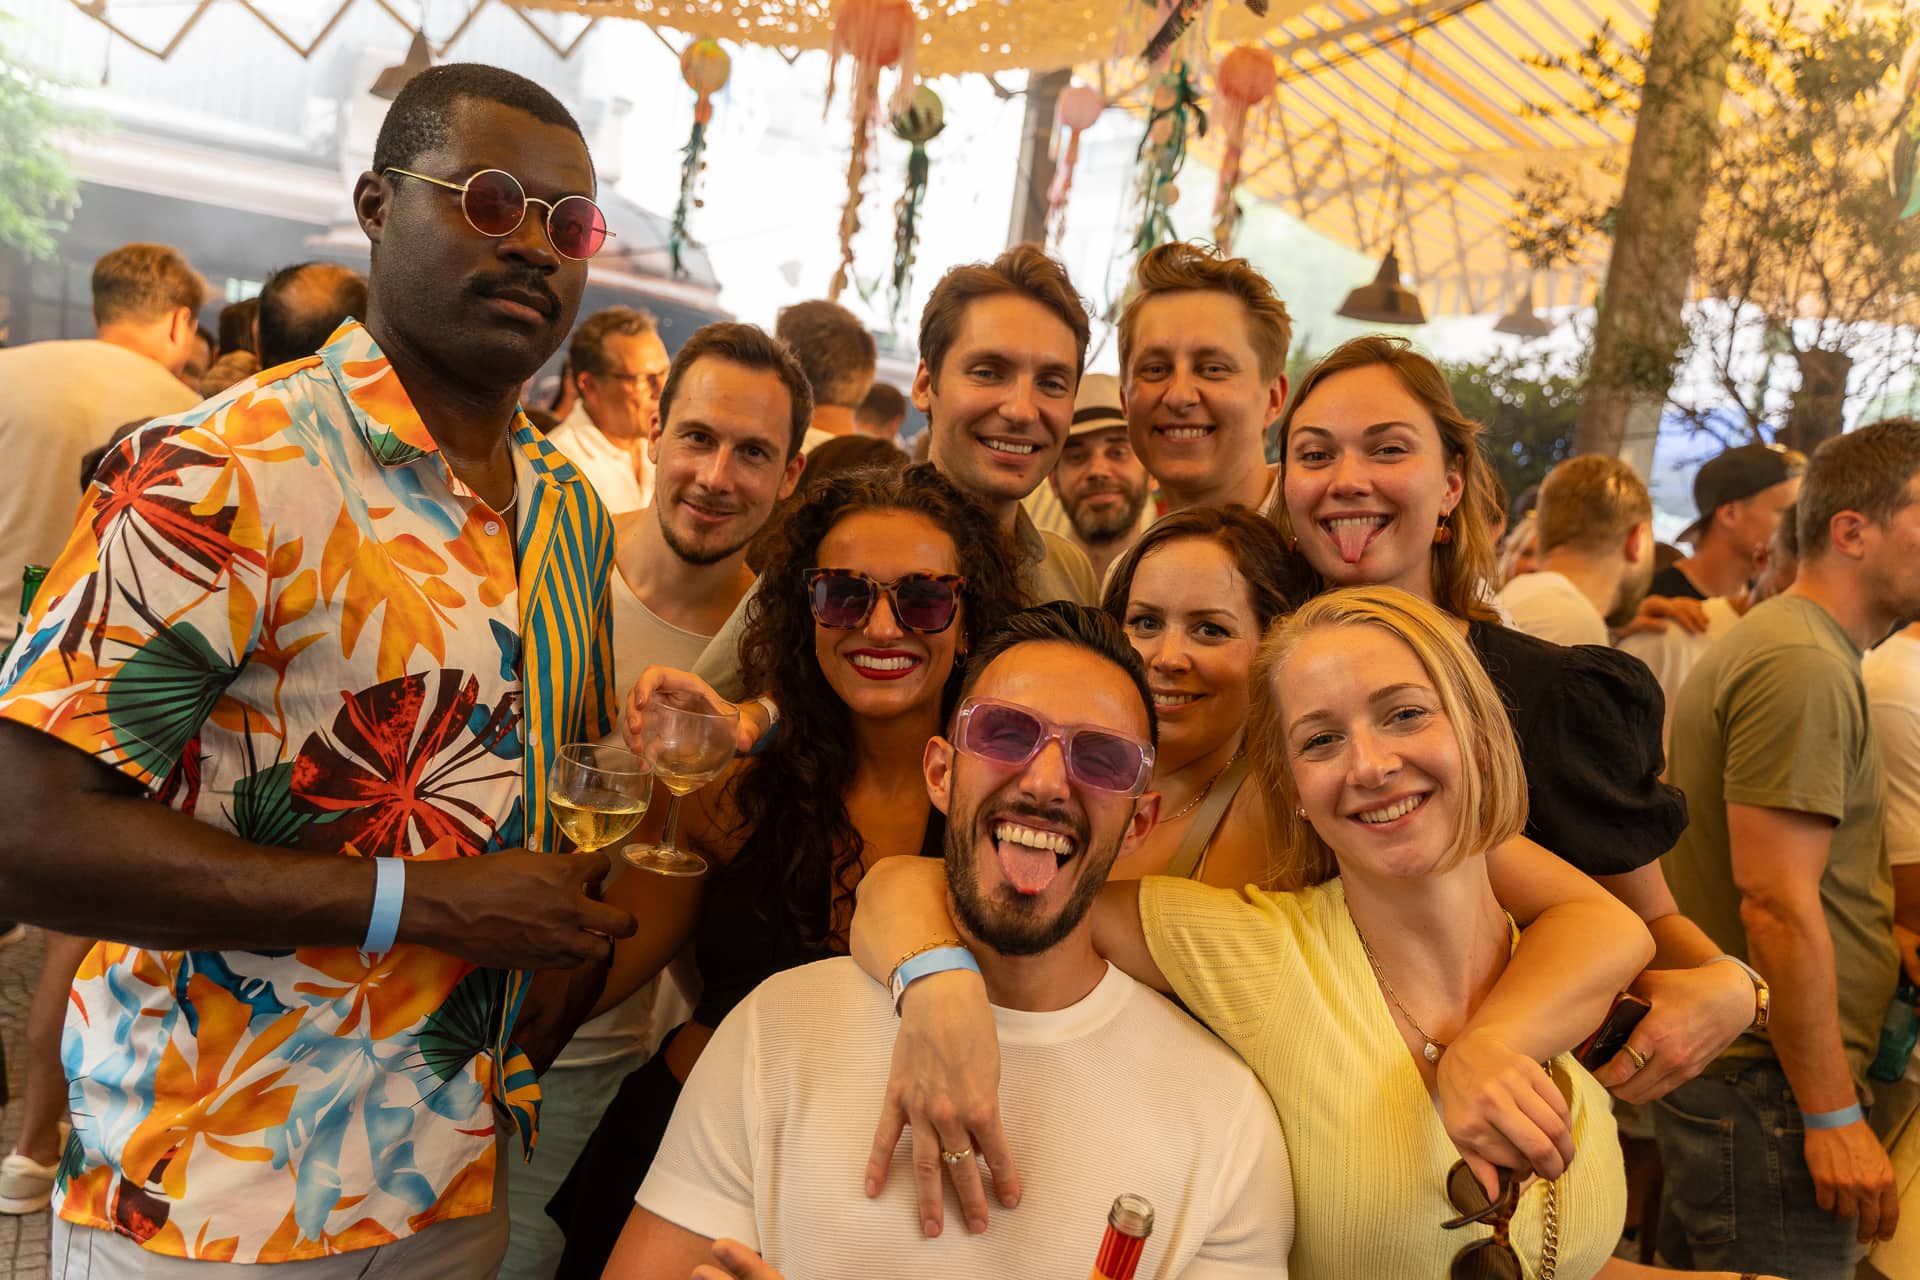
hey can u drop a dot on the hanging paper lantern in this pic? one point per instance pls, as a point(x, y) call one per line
point(1245, 79)
point(1079, 107)
point(878, 34)
point(918, 125)
point(705, 66)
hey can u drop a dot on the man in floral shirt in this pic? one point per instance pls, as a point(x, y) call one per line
point(339, 620)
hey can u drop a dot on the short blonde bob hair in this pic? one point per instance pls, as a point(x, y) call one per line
point(1493, 783)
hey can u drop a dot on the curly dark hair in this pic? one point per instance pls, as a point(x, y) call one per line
point(792, 797)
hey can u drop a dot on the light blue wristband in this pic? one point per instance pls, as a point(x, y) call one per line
point(1832, 1119)
point(389, 892)
point(927, 963)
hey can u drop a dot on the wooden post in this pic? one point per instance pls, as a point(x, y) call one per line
point(1639, 331)
point(1029, 221)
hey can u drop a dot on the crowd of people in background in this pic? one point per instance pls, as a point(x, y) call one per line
point(1537, 902)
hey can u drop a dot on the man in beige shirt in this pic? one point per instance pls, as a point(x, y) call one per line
point(726, 450)
point(64, 398)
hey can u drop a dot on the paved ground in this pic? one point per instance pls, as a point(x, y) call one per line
point(23, 1241)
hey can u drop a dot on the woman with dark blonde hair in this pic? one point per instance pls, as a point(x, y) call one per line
point(1195, 594)
point(1383, 482)
point(1393, 970)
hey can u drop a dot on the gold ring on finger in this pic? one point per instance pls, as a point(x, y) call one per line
point(955, 1157)
point(1639, 1058)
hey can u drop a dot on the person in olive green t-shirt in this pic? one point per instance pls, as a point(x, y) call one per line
point(1785, 865)
point(1776, 716)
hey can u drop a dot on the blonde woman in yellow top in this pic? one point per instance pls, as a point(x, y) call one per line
point(1359, 998)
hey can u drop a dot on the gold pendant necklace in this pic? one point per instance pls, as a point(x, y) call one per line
point(1204, 791)
point(1432, 1050)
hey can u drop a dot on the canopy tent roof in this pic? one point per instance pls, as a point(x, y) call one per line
point(1467, 135)
point(1462, 80)
point(1411, 122)
point(955, 35)
point(1459, 92)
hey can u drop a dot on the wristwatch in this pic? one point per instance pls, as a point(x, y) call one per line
point(1762, 994)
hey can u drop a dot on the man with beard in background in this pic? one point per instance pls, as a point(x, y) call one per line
point(1099, 480)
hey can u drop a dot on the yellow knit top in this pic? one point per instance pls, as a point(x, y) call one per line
point(1281, 977)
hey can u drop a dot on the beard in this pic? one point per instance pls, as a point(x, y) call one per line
point(697, 554)
point(1105, 526)
point(1626, 603)
point(1015, 924)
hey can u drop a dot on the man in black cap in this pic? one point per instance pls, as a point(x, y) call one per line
point(1740, 496)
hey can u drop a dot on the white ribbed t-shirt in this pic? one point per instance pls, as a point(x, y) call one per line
point(1119, 1092)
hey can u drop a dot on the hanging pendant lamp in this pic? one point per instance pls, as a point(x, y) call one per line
point(1385, 300)
point(1524, 321)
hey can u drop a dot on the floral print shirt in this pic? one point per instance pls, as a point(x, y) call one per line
point(284, 615)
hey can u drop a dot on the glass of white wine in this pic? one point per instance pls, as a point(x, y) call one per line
point(598, 794)
point(688, 741)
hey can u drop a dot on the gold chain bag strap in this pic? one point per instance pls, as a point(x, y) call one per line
point(1550, 1237)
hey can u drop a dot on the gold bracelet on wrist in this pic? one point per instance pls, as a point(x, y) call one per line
point(1762, 994)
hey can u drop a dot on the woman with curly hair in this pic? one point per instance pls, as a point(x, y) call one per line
point(875, 589)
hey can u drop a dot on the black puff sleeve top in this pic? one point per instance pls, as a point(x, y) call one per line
point(1588, 723)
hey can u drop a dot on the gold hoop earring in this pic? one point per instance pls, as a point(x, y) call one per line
point(1442, 533)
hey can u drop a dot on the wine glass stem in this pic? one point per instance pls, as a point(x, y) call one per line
point(671, 838)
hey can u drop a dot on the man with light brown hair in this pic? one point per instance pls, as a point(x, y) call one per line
point(839, 356)
point(1203, 360)
point(1002, 345)
point(66, 397)
point(1595, 522)
point(619, 366)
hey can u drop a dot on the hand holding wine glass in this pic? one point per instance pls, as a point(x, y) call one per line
point(598, 794)
point(749, 725)
point(688, 737)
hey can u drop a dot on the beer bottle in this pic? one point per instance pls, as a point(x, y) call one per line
point(1129, 1223)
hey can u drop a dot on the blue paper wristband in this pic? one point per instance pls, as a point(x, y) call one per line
point(389, 891)
point(1832, 1119)
point(927, 963)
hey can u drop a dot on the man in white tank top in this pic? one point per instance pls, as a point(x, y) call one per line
point(725, 450)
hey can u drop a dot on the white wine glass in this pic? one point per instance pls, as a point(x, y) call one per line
point(688, 741)
point(598, 793)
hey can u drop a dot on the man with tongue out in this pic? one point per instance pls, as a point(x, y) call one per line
point(1043, 783)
